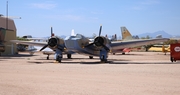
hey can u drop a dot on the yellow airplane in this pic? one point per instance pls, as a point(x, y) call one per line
point(160, 48)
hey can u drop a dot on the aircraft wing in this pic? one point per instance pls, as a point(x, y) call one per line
point(134, 43)
point(29, 43)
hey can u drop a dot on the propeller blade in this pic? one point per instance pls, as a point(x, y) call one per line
point(51, 31)
point(105, 47)
point(52, 34)
point(89, 45)
point(100, 30)
point(43, 47)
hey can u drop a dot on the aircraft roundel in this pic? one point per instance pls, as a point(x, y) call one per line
point(177, 49)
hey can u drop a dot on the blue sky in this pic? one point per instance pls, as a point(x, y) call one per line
point(85, 16)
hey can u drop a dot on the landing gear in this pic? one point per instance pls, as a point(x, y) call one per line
point(59, 58)
point(31, 53)
point(103, 59)
point(47, 57)
point(90, 57)
point(58, 55)
point(103, 55)
point(69, 56)
point(123, 53)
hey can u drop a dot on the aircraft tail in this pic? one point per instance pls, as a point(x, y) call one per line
point(165, 49)
point(126, 35)
point(72, 33)
point(52, 34)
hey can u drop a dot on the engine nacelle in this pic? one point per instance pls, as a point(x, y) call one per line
point(53, 42)
point(100, 41)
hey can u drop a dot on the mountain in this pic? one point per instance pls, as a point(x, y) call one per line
point(153, 35)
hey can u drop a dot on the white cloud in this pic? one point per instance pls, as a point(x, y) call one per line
point(150, 2)
point(65, 17)
point(45, 5)
point(144, 5)
point(71, 17)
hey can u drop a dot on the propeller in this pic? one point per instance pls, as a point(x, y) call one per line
point(52, 41)
point(52, 34)
point(99, 41)
point(43, 47)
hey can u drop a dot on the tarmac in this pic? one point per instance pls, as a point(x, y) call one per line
point(136, 73)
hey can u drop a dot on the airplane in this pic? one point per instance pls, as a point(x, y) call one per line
point(102, 45)
point(54, 43)
point(78, 43)
point(165, 50)
point(160, 48)
point(126, 35)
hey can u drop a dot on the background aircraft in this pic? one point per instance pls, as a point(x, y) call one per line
point(160, 48)
point(126, 36)
point(102, 45)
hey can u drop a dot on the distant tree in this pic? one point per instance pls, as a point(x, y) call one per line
point(23, 39)
point(147, 37)
point(170, 42)
point(21, 47)
point(147, 47)
point(143, 38)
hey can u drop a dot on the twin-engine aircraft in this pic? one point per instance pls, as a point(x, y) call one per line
point(102, 45)
point(78, 43)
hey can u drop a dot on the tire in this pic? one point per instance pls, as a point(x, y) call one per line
point(69, 56)
point(90, 57)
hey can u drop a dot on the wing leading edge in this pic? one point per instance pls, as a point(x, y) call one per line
point(134, 43)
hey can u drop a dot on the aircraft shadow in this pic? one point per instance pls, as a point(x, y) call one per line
point(139, 62)
point(37, 62)
point(110, 61)
point(19, 56)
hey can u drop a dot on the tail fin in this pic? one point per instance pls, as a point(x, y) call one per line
point(164, 50)
point(72, 33)
point(126, 35)
point(52, 34)
point(2, 34)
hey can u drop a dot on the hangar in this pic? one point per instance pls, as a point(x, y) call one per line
point(7, 33)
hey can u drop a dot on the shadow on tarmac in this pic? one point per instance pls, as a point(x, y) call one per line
point(108, 62)
point(19, 56)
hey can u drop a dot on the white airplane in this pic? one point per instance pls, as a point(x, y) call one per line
point(82, 45)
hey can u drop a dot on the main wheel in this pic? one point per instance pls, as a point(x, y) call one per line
point(47, 58)
point(90, 57)
point(59, 58)
point(103, 59)
point(69, 56)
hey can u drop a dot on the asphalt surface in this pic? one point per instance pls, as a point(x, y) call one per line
point(136, 73)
